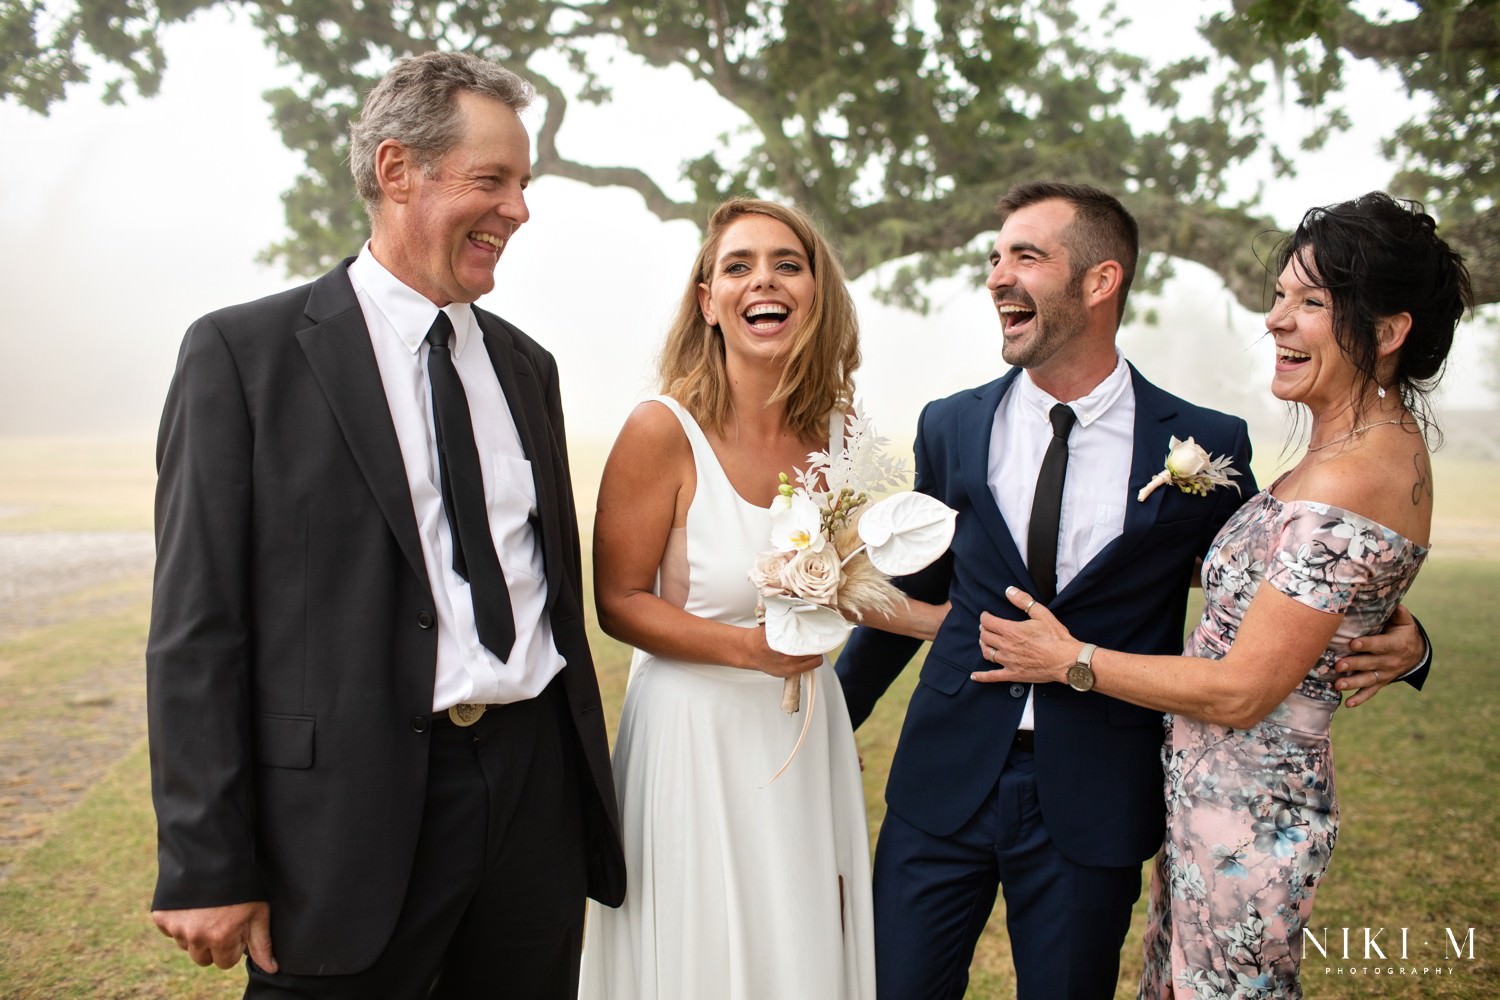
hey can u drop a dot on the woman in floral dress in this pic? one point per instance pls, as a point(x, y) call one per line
point(1364, 314)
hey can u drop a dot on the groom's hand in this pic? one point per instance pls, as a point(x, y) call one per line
point(219, 935)
point(1374, 661)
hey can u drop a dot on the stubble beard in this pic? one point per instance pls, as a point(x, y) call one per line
point(1065, 321)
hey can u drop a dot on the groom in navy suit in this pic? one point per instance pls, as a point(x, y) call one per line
point(1053, 793)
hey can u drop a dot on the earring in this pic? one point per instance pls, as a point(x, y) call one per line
point(1380, 391)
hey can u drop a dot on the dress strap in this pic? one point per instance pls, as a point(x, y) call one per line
point(703, 452)
point(689, 425)
point(837, 421)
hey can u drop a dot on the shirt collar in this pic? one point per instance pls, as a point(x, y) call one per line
point(1087, 408)
point(409, 312)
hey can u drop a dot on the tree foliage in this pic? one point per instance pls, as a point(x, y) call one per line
point(897, 123)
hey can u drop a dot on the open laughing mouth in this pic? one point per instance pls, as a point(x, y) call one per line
point(494, 244)
point(1287, 356)
point(766, 317)
point(1013, 314)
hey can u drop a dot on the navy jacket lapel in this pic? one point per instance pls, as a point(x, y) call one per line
point(1154, 409)
point(523, 394)
point(975, 429)
point(338, 350)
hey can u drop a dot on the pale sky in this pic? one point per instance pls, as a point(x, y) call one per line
point(121, 225)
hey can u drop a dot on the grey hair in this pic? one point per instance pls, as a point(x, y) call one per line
point(415, 104)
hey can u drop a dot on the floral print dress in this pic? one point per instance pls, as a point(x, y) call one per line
point(1251, 813)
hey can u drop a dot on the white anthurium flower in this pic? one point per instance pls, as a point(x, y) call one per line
point(796, 523)
point(906, 531)
point(801, 628)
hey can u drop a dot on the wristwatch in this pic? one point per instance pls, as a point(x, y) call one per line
point(1081, 673)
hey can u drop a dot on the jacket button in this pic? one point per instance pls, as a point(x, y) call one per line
point(1018, 690)
point(424, 619)
point(419, 723)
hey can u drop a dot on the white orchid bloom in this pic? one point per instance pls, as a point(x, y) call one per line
point(796, 523)
point(906, 531)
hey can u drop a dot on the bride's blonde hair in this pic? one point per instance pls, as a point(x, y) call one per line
point(820, 360)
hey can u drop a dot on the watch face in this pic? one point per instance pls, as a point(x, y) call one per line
point(1080, 677)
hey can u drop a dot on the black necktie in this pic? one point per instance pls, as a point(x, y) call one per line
point(1046, 507)
point(474, 556)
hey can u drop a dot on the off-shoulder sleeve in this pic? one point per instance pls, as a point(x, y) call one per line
point(1324, 555)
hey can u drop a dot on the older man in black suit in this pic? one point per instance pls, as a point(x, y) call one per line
point(378, 755)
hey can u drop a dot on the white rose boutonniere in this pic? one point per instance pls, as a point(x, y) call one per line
point(1190, 468)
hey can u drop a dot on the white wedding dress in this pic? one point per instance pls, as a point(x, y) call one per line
point(738, 887)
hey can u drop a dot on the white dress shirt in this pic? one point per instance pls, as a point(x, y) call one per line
point(1100, 449)
point(398, 319)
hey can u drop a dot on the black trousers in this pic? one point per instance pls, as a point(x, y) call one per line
point(495, 903)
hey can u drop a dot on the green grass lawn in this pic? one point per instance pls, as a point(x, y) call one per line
point(1417, 779)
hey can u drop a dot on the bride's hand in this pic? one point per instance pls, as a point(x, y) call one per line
point(1035, 650)
point(757, 654)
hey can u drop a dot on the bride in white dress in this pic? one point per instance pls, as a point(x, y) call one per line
point(738, 887)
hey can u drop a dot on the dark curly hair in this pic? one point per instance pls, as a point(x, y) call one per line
point(1378, 256)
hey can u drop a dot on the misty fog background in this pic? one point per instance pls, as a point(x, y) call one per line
point(120, 225)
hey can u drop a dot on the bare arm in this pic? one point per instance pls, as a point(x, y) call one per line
point(1277, 644)
point(645, 492)
point(913, 618)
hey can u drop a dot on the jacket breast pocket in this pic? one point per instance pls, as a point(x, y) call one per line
point(284, 741)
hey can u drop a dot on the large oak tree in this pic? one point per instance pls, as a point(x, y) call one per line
point(897, 123)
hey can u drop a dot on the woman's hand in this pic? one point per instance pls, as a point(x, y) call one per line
point(1035, 650)
point(757, 654)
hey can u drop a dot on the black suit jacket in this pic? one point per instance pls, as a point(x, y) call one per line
point(292, 650)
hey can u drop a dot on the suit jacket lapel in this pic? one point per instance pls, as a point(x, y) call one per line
point(341, 357)
point(1154, 409)
point(523, 394)
point(974, 471)
point(338, 350)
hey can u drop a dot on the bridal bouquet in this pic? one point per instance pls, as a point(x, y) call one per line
point(833, 550)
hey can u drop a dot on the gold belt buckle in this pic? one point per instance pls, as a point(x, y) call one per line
point(465, 714)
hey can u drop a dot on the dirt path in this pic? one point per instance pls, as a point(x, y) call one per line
point(63, 732)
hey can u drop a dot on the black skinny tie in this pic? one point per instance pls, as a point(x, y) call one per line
point(1046, 507)
point(474, 556)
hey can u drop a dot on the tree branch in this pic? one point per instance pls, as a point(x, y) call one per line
point(1478, 239)
point(1431, 31)
point(1228, 241)
point(550, 161)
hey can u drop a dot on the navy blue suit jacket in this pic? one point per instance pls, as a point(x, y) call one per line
point(1098, 765)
